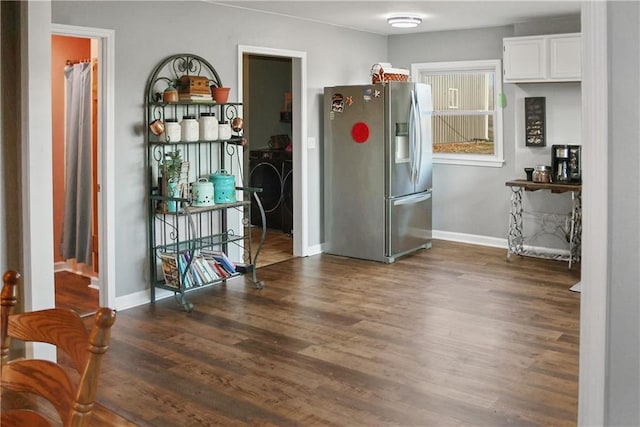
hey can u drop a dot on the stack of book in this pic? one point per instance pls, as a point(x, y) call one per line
point(195, 97)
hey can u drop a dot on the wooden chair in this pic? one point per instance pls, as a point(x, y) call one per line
point(64, 329)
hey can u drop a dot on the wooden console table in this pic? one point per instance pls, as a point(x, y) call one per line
point(516, 237)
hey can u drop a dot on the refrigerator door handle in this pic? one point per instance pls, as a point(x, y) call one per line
point(418, 124)
point(412, 137)
point(412, 199)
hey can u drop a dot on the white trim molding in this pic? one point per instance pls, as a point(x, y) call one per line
point(472, 239)
point(594, 276)
point(299, 138)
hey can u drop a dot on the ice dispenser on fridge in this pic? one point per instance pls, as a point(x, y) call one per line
point(566, 164)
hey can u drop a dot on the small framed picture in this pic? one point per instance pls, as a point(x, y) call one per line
point(534, 117)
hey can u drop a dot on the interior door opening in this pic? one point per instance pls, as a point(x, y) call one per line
point(74, 82)
point(268, 161)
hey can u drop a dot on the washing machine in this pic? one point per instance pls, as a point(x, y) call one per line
point(266, 172)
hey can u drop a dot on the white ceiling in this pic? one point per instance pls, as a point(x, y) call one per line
point(371, 16)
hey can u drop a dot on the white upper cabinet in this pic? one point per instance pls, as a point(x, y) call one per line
point(564, 57)
point(549, 58)
point(523, 58)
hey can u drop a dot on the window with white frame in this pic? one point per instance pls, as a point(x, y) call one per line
point(467, 117)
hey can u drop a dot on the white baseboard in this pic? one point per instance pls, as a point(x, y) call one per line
point(144, 297)
point(140, 298)
point(60, 266)
point(472, 239)
point(494, 242)
point(314, 250)
point(65, 266)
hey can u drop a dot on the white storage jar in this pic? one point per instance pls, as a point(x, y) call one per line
point(224, 130)
point(190, 129)
point(208, 127)
point(172, 131)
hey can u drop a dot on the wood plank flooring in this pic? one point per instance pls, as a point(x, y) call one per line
point(451, 336)
point(278, 246)
point(73, 292)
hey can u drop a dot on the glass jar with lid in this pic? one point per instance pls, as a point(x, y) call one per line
point(542, 174)
point(172, 131)
point(224, 130)
point(208, 126)
point(190, 129)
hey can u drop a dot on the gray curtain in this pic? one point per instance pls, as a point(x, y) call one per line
point(76, 228)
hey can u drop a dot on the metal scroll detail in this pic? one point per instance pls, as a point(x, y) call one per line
point(573, 231)
point(170, 69)
point(575, 236)
point(516, 238)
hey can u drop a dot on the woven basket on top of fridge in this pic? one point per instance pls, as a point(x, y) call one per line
point(380, 74)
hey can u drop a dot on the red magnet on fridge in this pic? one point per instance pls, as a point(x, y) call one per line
point(360, 132)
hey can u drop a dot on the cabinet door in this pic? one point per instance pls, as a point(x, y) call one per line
point(524, 59)
point(565, 57)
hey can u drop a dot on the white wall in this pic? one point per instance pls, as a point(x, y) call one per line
point(473, 200)
point(623, 347)
point(563, 126)
point(460, 207)
point(140, 47)
point(147, 32)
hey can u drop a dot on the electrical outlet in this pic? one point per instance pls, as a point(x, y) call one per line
point(311, 142)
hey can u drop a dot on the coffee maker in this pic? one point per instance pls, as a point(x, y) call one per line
point(566, 163)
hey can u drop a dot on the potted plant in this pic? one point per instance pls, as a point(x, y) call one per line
point(170, 168)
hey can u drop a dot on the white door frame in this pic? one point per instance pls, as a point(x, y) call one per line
point(106, 153)
point(299, 138)
point(594, 275)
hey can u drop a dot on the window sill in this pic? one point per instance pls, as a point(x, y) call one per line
point(466, 160)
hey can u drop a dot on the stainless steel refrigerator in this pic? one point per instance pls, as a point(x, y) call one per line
point(377, 170)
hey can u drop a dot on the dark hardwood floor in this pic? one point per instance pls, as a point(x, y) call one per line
point(73, 292)
point(454, 335)
point(278, 246)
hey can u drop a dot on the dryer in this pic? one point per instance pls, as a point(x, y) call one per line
point(287, 196)
point(266, 173)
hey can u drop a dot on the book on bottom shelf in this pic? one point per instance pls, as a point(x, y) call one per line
point(221, 258)
point(195, 271)
point(170, 269)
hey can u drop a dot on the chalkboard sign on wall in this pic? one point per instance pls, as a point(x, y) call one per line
point(534, 116)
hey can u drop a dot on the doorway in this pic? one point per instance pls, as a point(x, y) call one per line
point(298, 128)
point(95, 285)
point(74, 85)
point(268, 162)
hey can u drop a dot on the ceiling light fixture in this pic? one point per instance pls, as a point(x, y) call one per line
point(404, 21)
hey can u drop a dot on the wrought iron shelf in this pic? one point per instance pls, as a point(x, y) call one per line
point(234, 140)
point(174, 226)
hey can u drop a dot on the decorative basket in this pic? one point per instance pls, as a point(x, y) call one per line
point(381, 75)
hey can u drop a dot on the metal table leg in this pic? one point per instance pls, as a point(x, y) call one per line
point(515, 237)
point(575, 235)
